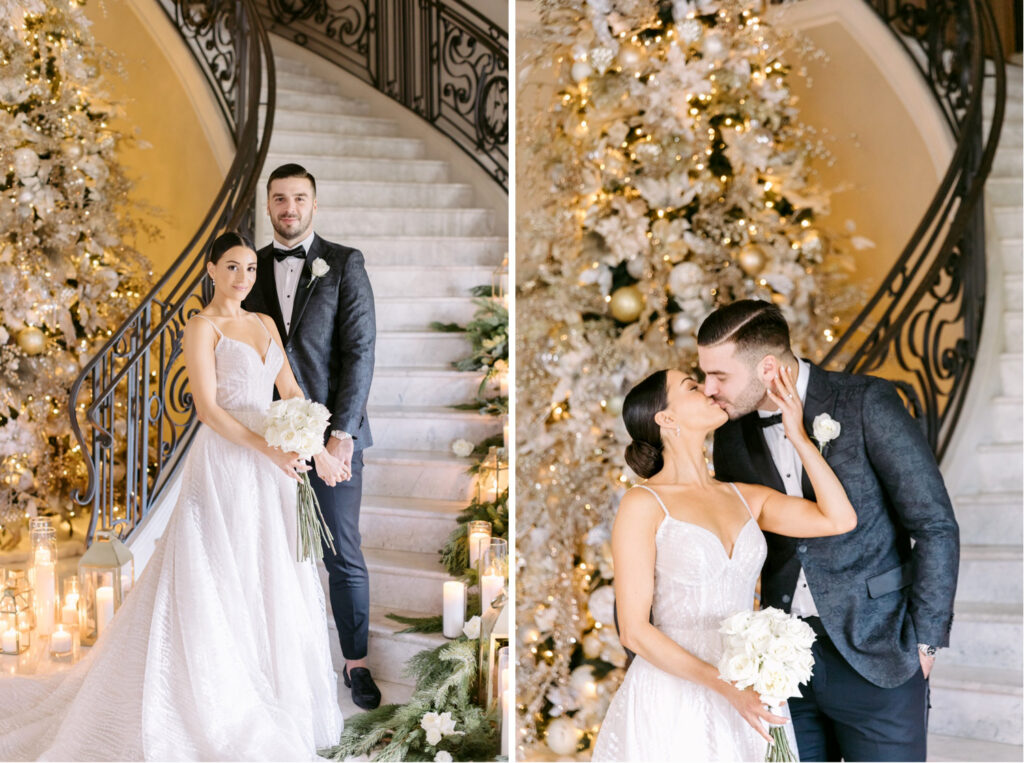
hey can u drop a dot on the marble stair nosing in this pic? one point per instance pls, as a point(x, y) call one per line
point(975, 702)
point(999, 466)
point(419, 474)
point(365, 168)
point(419, 348)
point(1013, 255)
point(947, 748)
point(438, 251)
point(405, 579)
point(414, 280)
point(405, 313)
point(990, 573)
point(989, 518)
point(383, 194)
point(330, 124)
point(987, 635)
point(343, 145)
point(408, 524)
point(287, 99)
point(1011, 372)
point(418, 428)
point(424, 385)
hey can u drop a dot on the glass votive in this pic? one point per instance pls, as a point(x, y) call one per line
point(478, 534)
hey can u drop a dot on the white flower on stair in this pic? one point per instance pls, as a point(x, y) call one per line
point(472, 627)
point(437, 726)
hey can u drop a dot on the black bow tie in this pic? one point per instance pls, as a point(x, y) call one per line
point(283, 254)
point(769, 421)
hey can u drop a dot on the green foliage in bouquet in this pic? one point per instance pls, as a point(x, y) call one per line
point(445, 683)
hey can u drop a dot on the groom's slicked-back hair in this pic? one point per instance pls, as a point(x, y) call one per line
point(753, 324)
point(291, 171)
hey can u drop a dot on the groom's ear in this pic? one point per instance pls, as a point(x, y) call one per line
point(768, 368)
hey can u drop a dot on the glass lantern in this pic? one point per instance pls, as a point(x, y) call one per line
point(16, 616)
point(493, 636)
point(43, 569)
point(492, 571)
point(105, 573)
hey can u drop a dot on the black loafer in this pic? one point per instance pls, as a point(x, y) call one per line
point(364, 691)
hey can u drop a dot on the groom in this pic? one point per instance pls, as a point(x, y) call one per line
point(319, 295)
point(879, 604)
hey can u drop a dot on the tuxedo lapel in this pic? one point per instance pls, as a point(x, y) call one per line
point(267, 285)
point(821, 398)
point(760, 457)
point(306, 285)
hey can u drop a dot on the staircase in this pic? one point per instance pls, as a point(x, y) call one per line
point(976, 685)
point(426, 245)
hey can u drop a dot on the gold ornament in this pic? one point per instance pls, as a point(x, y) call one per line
point(31, 340)
point(627, 303)
point(751, 259)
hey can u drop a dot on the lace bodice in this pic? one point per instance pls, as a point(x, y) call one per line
point(245, 381)
point(697, 585)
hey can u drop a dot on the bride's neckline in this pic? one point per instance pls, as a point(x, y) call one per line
point(256, 352)
point(732, 550)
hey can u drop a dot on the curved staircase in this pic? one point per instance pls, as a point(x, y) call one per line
point(426, 244)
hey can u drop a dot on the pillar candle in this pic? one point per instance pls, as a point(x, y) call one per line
point(504, 432)
point(476, 540)
point(503, 385)
point(506, 720)
point(104, 607)
point(69, 612)
point(490, 587)
point(60, 641)
point(454, 608)
point(46, 593)
point(9, 641)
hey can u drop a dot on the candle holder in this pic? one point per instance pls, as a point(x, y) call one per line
point(43, 565)
point(62, 646)
point(477, 533)
point(493, 571)
point(16, 614)
point(493, 636)
point(102, 573)
point(72, 595)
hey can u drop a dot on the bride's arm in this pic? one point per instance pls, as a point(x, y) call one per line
point(287, 386)
point(199, 342)
point(633, 553)
point(794, 516)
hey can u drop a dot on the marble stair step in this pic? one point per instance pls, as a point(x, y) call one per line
point(1013, 255)
point(999, 466)
point(414, 313)
point(407, 427)
point(1013, 108)
point(307, 83)
point(1012, 289)
point(290, 99)
point(420, 348)
point(1010, 135)
point(391, 650)
point(976, 703)
point(405, 579)
point(1005, 191)
point(295, 120)
point(441, 251)
point(990, 573)
point(947, 748)
point(439, 386)
point(1007, 163)
point(986, 634)
point(408, 524)
point(989, 517)
point(408, 222)
point(336, 144)
point(1007, 421)
point(1012, 329)
point(395, 194)
point(419, 281)
point(1011, 372)
point(365, 168)
point(419, 474)
point(1009, 221)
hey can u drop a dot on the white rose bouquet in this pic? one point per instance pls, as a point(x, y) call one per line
point(771, 652)
point(297, 425)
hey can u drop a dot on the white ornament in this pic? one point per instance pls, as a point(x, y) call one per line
point(26, 162)
point(715, 46)
point(684, 277)
point(691, 30)
point(683, 324)
point(602, 602)
point(562, 736)
point(630, 56)
point(635, 267)
point(592, 646)
point(601, 58)
point(581, 70)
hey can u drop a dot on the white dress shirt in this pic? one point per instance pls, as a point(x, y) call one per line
point(791, 470)
point(287, 273)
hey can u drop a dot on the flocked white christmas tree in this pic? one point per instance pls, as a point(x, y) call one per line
point(669, 174)
point(67, 276)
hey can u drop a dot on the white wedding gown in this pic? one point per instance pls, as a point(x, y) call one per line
point(220, 652)
point(656, 716)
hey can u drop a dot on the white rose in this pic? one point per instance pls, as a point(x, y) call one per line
point(774, 683)
point(443, 756)
point(447, 723)
point(783, 650)
point(472, 628)
point(740, 669)
point(825, 428)
point(462, 448)
point(319, 267)
point(735, 624)
point(431, 723)
point(799, 632)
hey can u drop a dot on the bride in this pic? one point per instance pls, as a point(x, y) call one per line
point(687, 553)
point(220, 652)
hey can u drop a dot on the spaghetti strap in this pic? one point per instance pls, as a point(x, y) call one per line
point(220, 334)
point(263, 325)
point(657, 498)
point(742, 499)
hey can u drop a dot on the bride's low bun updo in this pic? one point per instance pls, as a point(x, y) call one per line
point(644, 459)
point(644, 455)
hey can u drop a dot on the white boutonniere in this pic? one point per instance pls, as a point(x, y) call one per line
point(318, 268)
point(825, 430)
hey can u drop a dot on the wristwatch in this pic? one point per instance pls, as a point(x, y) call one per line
point(927, 651)
point(340, 434)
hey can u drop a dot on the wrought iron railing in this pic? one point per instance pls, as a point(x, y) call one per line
point(439, 58)
point(130, 408)
point(923, 325)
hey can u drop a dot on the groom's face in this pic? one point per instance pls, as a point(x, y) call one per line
point(731, 379)
point(291, 203)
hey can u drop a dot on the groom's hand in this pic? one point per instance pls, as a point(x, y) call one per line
point(328, 468)
point(927, 663)
point(342, 450)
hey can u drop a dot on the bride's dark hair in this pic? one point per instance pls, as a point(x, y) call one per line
point(225, 241)
point(644, 454)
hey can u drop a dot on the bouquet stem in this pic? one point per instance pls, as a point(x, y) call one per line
point(311, 529)
point(780, 750)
